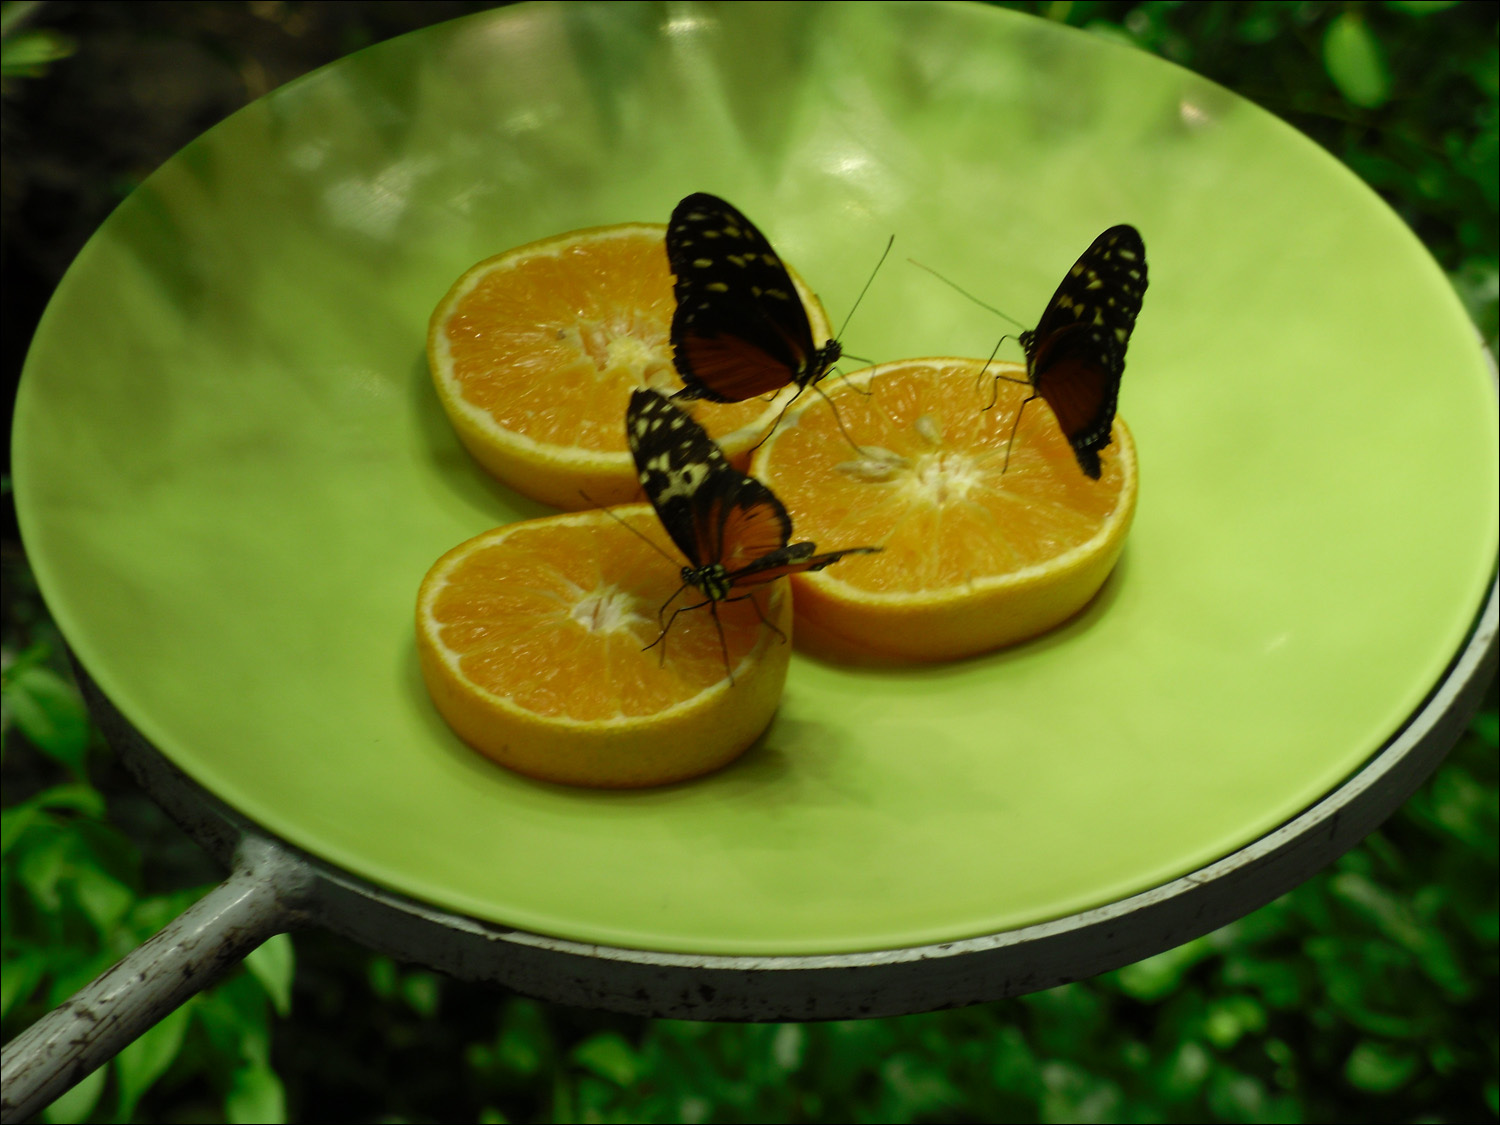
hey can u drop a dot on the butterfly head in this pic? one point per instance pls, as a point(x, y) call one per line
point(712, 580)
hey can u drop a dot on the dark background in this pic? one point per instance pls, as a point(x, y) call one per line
point(1367, 994)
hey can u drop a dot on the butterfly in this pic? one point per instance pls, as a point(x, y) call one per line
point(734, 532)
point(1076, 354)
point(740, 329)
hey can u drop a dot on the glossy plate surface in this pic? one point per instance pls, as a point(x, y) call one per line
point(232, 470)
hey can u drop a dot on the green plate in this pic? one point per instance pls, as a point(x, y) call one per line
point(232, 471)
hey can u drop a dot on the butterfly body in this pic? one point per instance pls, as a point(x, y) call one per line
point(731, 528)
point(1075, 356)
point(740, 329)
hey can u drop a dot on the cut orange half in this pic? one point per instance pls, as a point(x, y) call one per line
point(533, 643)
point(975, 558)
point(535, 351)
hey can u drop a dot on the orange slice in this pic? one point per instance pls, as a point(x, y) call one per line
point(973, 559)
point(532, 640)
point(535, 351)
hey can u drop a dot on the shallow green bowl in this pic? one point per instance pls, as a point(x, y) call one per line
point(232, 471)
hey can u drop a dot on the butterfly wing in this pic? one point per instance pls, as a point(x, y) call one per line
point(712, 511)
point(1078, 373)
point(742, 522)
point(739, 329)
point(1076, 355)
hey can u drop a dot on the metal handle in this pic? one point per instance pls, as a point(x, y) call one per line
point(264, 896)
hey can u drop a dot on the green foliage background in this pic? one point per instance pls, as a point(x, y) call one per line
point(1369, 993)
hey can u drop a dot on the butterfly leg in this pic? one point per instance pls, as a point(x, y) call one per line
point(764, 620)
point(713, 608)
point(1012, 440)
point(852, 385)
point(772, 428)
point(667, 628)
point(668, 602)
point(995, 389)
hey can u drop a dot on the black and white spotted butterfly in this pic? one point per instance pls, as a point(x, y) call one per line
point(733, 531)
point(740, 330)
point(1076, 354)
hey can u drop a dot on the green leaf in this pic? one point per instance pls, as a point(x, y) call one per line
point(1355, 61)
point(141, 1063)
point(75, 796)
point(103, 898)
point(255, 1095)
point(1229, 1018)
point(14, 822)
point(50, 713)
point(383, 976)
point(1074, 1095)
point(1014, 1067)
point(1262, 25)
point(1235, 1097)
point(1278, 982)
point(1380, 1068)
point(1158, 976)
point(915, 1088)
point(1486, 725)
point(41, 866)
point(525, 1040)
point(609, 1056)
point(18, 981)
point(12, 12)
point(562, 1097)
point(235, 1018)
point(79, 1102)
point(1421, 7)
point(422, 991)
point(1433, 952)
point(789, 1046)
point(28, 54)
point(1184, 1073)
point(273, 963)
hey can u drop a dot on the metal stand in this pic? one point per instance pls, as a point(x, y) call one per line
point(275, 888)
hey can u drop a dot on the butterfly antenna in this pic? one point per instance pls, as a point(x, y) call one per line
point(643, 538)
point(966, 293)
point(885, 254)
point(1010, 444)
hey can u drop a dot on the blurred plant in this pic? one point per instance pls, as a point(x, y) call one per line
point(27, 52)
point(1404, 93)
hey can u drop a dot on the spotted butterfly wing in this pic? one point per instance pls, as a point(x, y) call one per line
point(740, 329)
point(732, 529)
point(1076, 354)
